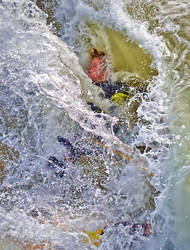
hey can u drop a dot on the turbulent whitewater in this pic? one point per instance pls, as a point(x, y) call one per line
point(128, 186)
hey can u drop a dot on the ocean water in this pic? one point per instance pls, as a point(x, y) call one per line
point(124, 178)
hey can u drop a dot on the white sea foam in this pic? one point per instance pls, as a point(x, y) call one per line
point(43, 75)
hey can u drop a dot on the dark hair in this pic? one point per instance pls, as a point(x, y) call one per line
point(95, 53)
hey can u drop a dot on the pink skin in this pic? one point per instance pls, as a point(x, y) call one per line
point(97, 70)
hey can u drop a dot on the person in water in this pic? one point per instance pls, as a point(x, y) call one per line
point(98, 72)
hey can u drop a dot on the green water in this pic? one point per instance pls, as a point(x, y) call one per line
point(126, 57)
point(173, 25)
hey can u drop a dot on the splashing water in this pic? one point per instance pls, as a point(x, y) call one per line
point(64, 202)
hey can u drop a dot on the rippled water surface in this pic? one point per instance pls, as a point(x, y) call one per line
point(72, 178)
